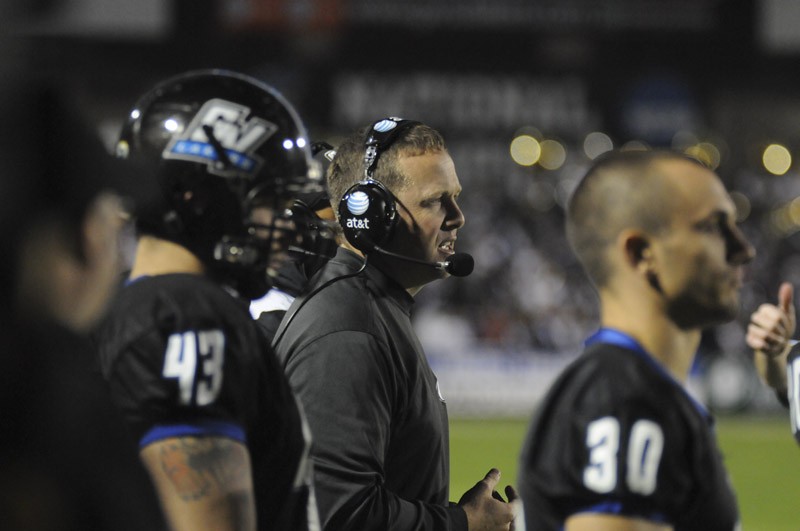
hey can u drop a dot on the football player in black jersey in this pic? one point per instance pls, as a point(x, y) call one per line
point(777, 356)
point(215, 421)
point(618, 443)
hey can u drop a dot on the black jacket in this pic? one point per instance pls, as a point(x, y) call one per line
point(379, 424)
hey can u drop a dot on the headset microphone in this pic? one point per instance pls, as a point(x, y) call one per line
point(457, 264)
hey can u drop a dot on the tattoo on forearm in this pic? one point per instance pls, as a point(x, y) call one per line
point(200, 467)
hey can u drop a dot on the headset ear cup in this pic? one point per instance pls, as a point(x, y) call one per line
point(368, 215)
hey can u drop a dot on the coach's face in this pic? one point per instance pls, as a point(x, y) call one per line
point(429, 217)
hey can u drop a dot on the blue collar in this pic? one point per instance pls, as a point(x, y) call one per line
point(129, 281)
point(620, 339)
point(617, 338)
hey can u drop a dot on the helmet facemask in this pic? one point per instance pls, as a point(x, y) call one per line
point(249, 259)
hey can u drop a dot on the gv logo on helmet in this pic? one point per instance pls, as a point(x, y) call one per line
point(238, 135)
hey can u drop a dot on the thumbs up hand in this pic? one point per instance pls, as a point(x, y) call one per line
point(772, 325)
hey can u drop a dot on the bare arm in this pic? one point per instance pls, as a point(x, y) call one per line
point(202, 482)
point(599, 522)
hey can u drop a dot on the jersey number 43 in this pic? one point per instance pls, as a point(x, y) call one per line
point(195, 359)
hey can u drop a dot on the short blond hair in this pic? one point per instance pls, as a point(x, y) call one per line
point(347, 167)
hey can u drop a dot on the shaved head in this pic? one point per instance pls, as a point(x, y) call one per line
point(622, 190)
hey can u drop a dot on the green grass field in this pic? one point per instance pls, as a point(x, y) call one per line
point(762, 458)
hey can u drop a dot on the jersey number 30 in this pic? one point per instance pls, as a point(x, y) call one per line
point(195, 359)
point(645, 445)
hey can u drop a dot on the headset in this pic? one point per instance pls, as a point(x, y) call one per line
point(368, 210)
point(368, 216)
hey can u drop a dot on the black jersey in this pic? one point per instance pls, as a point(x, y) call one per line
point(617, 435)
point(183, 358)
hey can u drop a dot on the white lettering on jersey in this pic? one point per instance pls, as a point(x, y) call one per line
point(644, 454)
point(645, 447)
point(602, 440)
point(196, 360)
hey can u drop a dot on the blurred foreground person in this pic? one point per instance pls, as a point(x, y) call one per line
point(210, 409)
point(381, 439)
point(777, 356)
point(618, 443)
point(66, 461)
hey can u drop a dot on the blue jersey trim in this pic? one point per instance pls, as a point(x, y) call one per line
point(200, 428)
point(133, 280)
point(616, 508)
point(615, 337)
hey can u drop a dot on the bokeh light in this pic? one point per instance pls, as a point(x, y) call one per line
point(785, 220)
point(635, 145)
point(597, 143)
point(553, 156)
point(776, 159)
point(743, 206)
point(706, 152)
point(525, 150)
point(171, 125)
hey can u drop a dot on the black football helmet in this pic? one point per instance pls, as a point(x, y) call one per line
point(220, 143)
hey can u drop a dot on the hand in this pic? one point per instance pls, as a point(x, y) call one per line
point(513, 500)
point(485, 508)
point(771, 327)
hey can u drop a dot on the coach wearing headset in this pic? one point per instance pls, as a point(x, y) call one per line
point(378, 420)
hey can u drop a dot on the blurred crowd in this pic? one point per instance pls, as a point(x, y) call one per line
point(528, 295)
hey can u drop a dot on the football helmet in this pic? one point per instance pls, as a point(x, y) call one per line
point(219, 144)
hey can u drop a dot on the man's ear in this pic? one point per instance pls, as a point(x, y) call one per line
point(639, 255)
point(637, 250)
